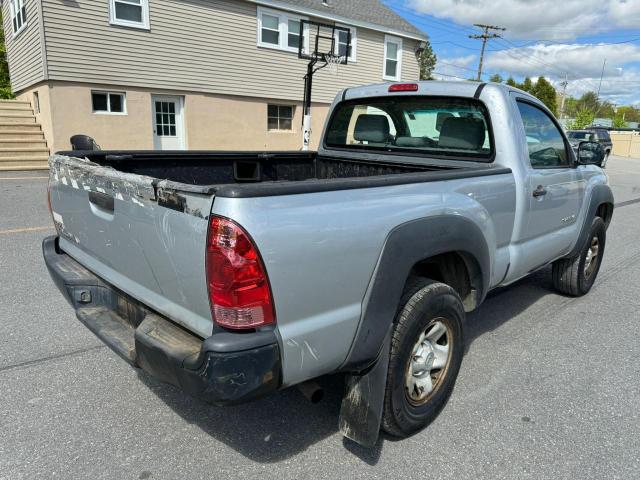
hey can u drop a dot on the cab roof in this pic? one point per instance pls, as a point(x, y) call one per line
point(429, 87)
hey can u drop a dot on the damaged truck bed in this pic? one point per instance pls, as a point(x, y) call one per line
point(234, 274)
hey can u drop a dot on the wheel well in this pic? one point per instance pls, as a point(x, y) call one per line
point(459, 270)
point(605, 212)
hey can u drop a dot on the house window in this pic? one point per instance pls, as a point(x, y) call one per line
point(280, 117)
point(18, 15)
point(278, 30)
point(270, 30)
point(293, 33)
point(341, 44)
point(392, 58)
point(108, 102)
point(130, 13)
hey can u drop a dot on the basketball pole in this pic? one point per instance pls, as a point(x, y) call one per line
point(306, 108)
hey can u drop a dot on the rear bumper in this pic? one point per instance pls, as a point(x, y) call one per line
point(226, 368)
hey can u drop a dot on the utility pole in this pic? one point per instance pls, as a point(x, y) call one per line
point(604, 62)
point(484, 37)
point(563, 84)
point(601, 75)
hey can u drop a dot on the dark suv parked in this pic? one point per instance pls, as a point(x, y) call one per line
point(592, 134)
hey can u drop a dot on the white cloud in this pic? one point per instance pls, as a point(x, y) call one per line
point(582, 63)
point(578, 60)
point(541, 19)
point(622, 90)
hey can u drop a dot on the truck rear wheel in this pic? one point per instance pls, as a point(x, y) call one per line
point(575, 276)
point(426, 352)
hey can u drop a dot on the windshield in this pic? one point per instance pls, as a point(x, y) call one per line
point(580, 135)
point(455, 127)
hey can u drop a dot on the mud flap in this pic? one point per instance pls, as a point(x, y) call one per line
point(363, 402)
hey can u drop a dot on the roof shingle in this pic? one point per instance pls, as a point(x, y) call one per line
point(369, 11)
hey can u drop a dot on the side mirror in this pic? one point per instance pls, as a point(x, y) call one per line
point(590, 153)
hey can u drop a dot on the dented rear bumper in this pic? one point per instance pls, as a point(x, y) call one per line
point(226, 368)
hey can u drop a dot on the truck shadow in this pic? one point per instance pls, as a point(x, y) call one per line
point(503, 304)
point(286, 423)
point(267, 430)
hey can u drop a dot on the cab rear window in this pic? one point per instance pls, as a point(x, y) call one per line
point(435, 126)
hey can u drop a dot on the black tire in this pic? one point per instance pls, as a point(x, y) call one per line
point(569, 274)
point(424, 302)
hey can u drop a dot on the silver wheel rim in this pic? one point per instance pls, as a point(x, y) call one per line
point(592, 257)
point(429, 361)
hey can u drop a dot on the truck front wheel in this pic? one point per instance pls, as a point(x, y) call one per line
point(575, 276)
point(426, 352)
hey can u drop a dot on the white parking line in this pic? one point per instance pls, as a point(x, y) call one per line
point(24, 178)
point(25, 230)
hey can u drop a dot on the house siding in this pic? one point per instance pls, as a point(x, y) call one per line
point(24, 51)
point(194, 46)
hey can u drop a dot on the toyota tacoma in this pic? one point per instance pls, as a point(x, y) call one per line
point(234, 274)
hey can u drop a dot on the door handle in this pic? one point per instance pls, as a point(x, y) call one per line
point(102, 200)
point(540, 191)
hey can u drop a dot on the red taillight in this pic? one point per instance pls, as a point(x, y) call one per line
point(238, 286)
point(403, 87)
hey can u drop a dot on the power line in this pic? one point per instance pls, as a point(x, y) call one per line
point(523, 57)
point(485, 36)
point(456, 66)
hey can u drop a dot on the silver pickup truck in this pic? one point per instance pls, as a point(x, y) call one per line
point(235, 274)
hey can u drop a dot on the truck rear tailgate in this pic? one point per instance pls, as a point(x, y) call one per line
point(143, 235)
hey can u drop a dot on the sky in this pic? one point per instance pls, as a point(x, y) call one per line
point(553, 38)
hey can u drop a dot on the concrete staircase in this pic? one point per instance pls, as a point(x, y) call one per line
point(22, 143)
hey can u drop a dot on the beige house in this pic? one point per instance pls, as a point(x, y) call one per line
point(196, 74)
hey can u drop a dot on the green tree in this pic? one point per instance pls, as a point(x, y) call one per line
point(427, 62)
point(527, 85)
point(571, 107)
point(629, 113)
point(511, 82)
point(606, 110)
point(588, 101)
point(618, 121)
point(5, 83)
point(496, 77)
point(545, 92)
point(584, 118)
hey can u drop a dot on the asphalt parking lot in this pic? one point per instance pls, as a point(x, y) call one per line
point(549, 387)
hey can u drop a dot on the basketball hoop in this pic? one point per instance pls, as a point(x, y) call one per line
point(320, 44)
point(332, 62)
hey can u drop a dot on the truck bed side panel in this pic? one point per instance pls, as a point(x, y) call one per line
point(321, 249)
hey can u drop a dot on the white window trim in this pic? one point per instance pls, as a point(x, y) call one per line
point(109, 112)
point(390, 39)
point(144, 25)
point(14, 15)
point(283, 30)
point(354, 42)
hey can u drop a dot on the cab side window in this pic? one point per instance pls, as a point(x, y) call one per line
point(544, 140)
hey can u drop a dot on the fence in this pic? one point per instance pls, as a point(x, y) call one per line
point(626, 144)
